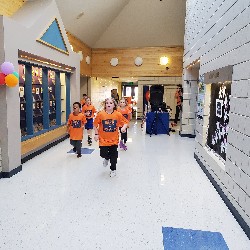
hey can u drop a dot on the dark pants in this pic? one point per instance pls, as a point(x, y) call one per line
point(76, 144)
point(124, 136)
point(110, 153)
point(177, 113)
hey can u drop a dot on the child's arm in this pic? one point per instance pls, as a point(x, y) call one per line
point(68, 126)
point(125, 123)
point(96, 137)
point(124, 127)
point(96, 127)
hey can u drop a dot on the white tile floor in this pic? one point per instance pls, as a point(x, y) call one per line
point(61, 202)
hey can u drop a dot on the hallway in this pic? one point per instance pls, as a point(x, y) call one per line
point(59, 201)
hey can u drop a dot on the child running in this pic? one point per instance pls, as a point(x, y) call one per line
point(106, 126)
point(83, 100)
point(89, 111)
point(75, 126)
point(126, 112)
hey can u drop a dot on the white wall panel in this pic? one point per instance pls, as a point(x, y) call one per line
point(218, 32)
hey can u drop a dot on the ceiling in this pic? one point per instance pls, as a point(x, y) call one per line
point(124, 23)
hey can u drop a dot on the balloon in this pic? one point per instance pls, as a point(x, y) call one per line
point(2, 78)
point(11, 80)
point(7, 68)
point(16, 74)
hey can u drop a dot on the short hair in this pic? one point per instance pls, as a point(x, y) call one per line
point(78, 103)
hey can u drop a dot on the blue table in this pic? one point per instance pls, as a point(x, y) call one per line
point(157, 123)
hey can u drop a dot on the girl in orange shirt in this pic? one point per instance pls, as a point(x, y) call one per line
point(89, 111)
point(126, 112)
point(75, 126)
point(106, 126)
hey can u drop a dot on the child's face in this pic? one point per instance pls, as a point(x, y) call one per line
point(109, 104)
point(88, 102)
point(76, 108)
point(122, 103)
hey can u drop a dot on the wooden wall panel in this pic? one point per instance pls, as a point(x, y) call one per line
point(126, 68)
point(78, 45)
point(9, 7)
point(42, 140)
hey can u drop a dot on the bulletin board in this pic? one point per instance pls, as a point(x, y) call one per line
point(220, 81)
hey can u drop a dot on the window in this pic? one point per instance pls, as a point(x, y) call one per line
point(44, 99)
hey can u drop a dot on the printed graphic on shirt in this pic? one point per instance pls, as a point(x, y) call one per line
point(76, 124)
point(88, 113)
point(109, 125)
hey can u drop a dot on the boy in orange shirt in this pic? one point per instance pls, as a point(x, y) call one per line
point(75, 125)
point(126, 112)
point(89, 111)
point(106, 126)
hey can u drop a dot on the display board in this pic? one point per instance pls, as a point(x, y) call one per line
point(52, 97)
point(220, 81)
point(23, 125)
point(37, 93)
point(201, 97)
point(44, 98)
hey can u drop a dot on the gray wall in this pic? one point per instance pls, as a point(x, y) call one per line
point(218, 33)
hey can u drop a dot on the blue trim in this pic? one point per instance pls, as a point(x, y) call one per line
point(29, 99)
point(68, 110)
point(45, 98)
point(228, 203)
point(58, 97)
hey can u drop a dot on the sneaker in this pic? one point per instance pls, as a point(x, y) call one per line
point(105, 162)
point(112, 173)
point(121, 144)
point(74, 149)
point(79, 155)
point(89, 141)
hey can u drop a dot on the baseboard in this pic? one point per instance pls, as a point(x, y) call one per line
point(228, 203)
point(187, 135)
point(11, 173)
point(44, 148)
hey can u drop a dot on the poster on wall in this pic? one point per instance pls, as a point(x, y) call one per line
point(219, 113)
point(23, 125)
point(201, 97)
point(52, 97)
point(37, 98)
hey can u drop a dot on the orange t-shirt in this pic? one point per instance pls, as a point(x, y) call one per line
point(83, 101)
point(125, 112)
point(109, 127)
point(76, 123)
point(88, 111)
